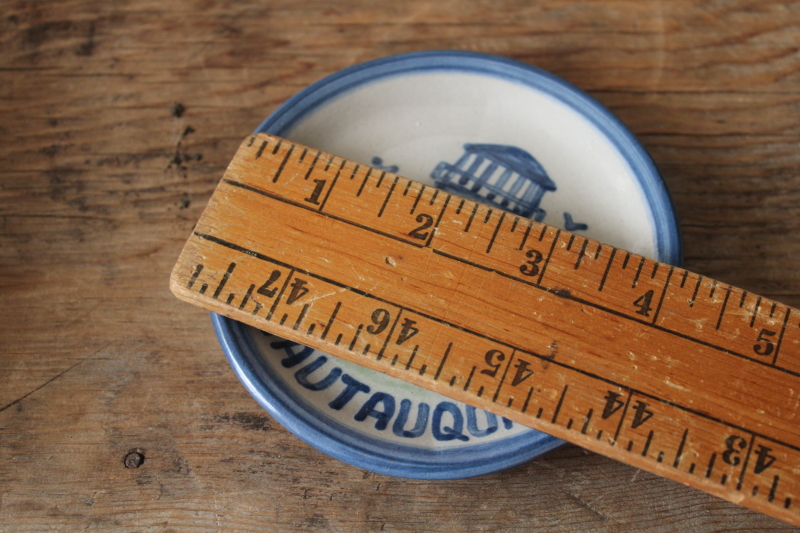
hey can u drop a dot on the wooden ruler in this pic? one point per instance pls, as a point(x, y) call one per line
point(650, 364)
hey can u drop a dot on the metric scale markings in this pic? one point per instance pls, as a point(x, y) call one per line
point(648, 363)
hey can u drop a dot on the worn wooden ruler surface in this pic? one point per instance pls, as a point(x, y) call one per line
point(658, 367)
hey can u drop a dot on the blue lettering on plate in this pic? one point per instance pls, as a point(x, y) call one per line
point(447, 423)
point(402, 417)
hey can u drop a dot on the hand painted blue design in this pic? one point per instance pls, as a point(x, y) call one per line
point(377, 162)
point(570, 225)
point(499, 174)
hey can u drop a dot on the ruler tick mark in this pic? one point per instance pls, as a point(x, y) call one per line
point(422, 370)
point(691, 468)
point(539, 412)
point(355, 171)
point(544, 230)
point(580, 254)
point(441, 364)
point(772, 309)
point(469, 379)
point(460, 205)
point(283, 165)
point(247, 296)
point(571, 240)
point(224, 280)
point(285, 316)
point(328, 164)
point(388, 195)
point(722, 310)
point(408, 186)
point(711, 465)
point(333, 184)
point(389, 336)
point(438, 220)
point(597, 253)
point(586, 420)
point(411, 359)
point(647, 444)
point(196, 273)
point(452, 381)
point(488, 216)
point(625, 262)
point(380, 180)
point(696, 288)
point(755, 312)
point(514, 225)
point(683, 279)
point(655, 269)
point(303, 155)
point(433, 198)
point(713, 288)
point(257, 309)
point(261, 149)
point(746, 461)
point(549, 255)
point(280, 295)
point(680, 450)
point(394, 359)
point(366, 177)
point(560, 402)
point(503, 378)
point(480, 391)
point(313, 164)
point(278, 146)
point(355, 337)
point(638, 273)
point(569, 424)
point(663, 294)
point(471, 217)
point(773, 488)
point(330, 321)
point(527, 398)
point(744, 295)
point(608, 267)
point(416, 201)
point(527, 232)
point(311, 329)
point(780, 339)
point(496, 230)
point(338, 339)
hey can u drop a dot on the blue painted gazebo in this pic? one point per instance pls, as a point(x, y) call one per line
point(498, 174)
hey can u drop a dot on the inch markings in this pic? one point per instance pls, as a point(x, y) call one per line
point(616, 352)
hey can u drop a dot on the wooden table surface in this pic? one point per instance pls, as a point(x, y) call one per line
point(118, 118)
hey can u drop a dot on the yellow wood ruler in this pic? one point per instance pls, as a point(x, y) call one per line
point(660, 368)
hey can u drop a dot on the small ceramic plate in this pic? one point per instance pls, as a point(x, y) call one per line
point(451, 119)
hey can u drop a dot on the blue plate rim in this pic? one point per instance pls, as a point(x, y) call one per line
point(366, 452)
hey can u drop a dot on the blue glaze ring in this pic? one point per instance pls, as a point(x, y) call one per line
point(381, 429)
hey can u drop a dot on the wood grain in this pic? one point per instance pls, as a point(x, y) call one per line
point(103, 178)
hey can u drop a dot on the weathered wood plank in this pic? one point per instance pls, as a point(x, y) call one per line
point(88, 144)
